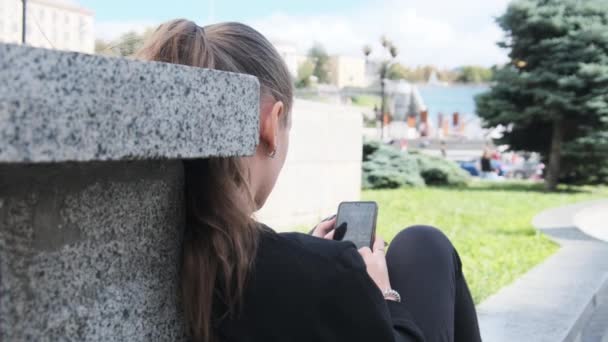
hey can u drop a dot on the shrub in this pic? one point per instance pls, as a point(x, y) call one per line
point(385, 167)
point(441, 172)
point(369, 147)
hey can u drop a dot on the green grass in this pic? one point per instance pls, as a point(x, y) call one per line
point(366, 101)
point(489, 223)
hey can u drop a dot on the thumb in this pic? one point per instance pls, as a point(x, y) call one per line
point(340, 231)
point(378, 244)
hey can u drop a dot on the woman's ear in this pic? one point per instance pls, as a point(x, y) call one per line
point(270, 126)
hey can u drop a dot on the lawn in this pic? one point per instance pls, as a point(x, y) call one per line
point(489, 223)
point(369, 101)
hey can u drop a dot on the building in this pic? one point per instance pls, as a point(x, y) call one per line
point(54, 24)
point(347, 71)
point(290, 55)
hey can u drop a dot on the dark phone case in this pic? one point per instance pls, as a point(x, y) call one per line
point(373, 233)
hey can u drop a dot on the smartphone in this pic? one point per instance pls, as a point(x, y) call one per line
point(360, 218)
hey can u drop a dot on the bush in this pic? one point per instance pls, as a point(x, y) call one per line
point(385, 167)
point(441, 172)
point(369, 147)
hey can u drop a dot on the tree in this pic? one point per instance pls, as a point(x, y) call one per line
point(305, 72)
point(553, 95)
point(320, 59)
point(126, 45)
point(474, 74)
point(104, 48)
point(129, 43)
point(399, 72)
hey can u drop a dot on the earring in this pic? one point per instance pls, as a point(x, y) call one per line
point(272, 154)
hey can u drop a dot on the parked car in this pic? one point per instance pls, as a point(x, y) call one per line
point(527, 170)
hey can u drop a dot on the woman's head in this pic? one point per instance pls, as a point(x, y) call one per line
point(486, 153)
point(238, 48)
point(221, 193)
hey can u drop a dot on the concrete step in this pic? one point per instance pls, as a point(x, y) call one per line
point(558, 299)
point(597, 328)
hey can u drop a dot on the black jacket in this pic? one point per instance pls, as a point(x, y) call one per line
point(310, 289)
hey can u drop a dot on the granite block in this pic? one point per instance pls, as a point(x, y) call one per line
point(91, 251)
point(65, 106)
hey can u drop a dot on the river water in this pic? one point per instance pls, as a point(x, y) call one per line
point(451, 99)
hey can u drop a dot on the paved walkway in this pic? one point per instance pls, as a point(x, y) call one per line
point(559, 299)
point(593, 220)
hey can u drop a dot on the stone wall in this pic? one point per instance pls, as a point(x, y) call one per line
point(323, 166)
point(91, 187)
point(90, 252)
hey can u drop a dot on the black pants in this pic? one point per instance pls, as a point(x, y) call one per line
point(425, 269)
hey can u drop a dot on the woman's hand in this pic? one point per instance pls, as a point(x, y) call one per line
point(325, 229)
point(375, 261)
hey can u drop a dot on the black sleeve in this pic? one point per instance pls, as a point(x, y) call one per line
point(358, 311)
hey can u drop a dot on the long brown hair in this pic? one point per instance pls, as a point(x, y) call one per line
point(221, 237)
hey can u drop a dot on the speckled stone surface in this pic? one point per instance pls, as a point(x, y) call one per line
point(90, 251)
point(64, 106)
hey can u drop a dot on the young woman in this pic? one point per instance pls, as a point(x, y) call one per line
point(244, 282)
point(486, 164)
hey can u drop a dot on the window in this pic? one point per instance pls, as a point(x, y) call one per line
point(55, 17)
point(66, 36)
point(41, 14)
point(66, 19)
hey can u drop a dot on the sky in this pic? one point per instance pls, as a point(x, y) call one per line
point(444, 33)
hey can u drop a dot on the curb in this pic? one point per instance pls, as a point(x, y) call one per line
point(555, 300)
point(574, 335)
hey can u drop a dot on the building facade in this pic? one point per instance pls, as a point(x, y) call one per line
point(52, 24)
point(290, 55)
point(345, 71)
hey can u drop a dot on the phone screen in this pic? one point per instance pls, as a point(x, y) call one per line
point(360, 218)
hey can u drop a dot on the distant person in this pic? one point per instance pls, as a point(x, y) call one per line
point(486, 164)
point(442, 148)
point(242, 281)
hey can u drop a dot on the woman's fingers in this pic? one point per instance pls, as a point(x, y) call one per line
point(324, 228)
point(365, 252)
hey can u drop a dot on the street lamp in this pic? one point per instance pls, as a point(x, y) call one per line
point(23, 40)
point(384, 69)
point(367, 50)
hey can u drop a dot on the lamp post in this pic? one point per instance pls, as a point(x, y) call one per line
point(384, 69)
point(23, 13)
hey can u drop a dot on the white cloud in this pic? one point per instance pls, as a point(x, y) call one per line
point(443, 33)
point(439, 32)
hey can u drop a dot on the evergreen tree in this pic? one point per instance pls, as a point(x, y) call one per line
point(320, 59)
point(553, 96)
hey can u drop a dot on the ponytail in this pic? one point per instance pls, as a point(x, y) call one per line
point(220, 241)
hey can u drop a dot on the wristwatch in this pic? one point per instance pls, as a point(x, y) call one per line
point(391, 294)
